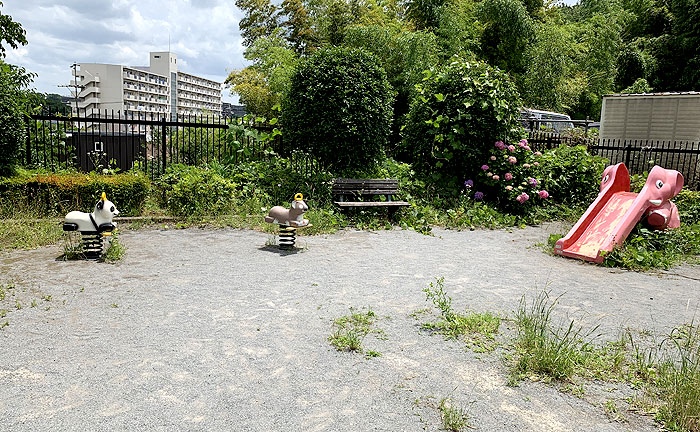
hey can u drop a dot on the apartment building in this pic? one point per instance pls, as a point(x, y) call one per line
point(142, 92)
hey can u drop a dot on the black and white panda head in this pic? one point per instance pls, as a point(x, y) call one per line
point(105, 208)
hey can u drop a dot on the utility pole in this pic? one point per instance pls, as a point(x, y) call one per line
point(75, 87)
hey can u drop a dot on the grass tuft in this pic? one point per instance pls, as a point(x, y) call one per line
point(480, 329)
point(350, 331)
point(454, 418)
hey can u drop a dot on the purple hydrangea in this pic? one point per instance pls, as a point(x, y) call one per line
point(484, 167)
point(532, 182)
point(469, 184)
point(478, 196)
point(499, 145)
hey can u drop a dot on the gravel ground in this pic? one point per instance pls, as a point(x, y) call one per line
point(212, 330)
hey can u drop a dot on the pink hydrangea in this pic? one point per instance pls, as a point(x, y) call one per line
point(522, 197)
point(527, 147)
point(523, 142)
point(509, 188)
point(493, 158)
point(543, 194)
point(499, 145)
point(538, 153)
point(512, 159)
point(536, 163)
point(511, 148)
point(496, 177)
point(484, 167)
point(526, 166)
point(508, 176)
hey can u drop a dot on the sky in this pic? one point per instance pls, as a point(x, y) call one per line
point(203, 33)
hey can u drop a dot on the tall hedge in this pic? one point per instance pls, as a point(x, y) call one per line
point(13, 97)
point(58, 194)
point(338, 108)
point(460, 110)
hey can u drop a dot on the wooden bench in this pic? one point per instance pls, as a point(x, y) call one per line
point(352, 193)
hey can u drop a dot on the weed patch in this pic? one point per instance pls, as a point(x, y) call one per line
point(455, 418)
point(479, 329)
point(350, 330)
point(115, 250)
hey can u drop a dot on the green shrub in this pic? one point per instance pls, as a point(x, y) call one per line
point(460, 110)
point(688, 203)
point(571, 175)
point(13, 97)
point(196, 191)
point(59, 193)
point(338, 108)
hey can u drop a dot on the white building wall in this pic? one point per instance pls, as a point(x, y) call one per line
point(146, 92)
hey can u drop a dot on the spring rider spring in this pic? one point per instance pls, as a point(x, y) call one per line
point(93, 226)
point(289, 220)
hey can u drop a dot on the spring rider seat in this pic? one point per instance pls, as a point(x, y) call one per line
point(93, 226)
point(289, 220)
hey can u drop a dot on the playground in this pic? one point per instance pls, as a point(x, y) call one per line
point(206, 329)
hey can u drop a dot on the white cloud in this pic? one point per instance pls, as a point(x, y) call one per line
point(203, 33)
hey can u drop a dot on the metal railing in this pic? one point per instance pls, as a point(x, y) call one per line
point(98, 140)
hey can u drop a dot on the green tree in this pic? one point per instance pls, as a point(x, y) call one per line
point(630, 67)
point(253, 91)
point(507, 32)
point(425, 14)
point(298, 24)
point(11, 33)
point(338, 108)
point(14, 96)
point(261, 19)
point(549, 70)
point(403, 54)
point(459, 31)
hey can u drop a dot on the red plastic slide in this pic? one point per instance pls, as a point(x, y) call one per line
point(610, 218)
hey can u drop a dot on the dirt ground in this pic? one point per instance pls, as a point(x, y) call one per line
point(214, 330)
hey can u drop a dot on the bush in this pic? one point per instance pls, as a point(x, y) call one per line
point(508, 178)
point(58, 194)
point(13, 97)
point(688, 203)
point(460, 110)
point(571, 175)
point(196, 191)
point(338, 108)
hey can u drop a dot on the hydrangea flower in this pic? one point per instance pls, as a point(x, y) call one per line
point(523, 142)
point(478, 196)
point(509, 188)
point(543, 194)
point(512, 159)
point(532, 181)
point(536, 163)
point(493, 158)
point(522, 198)
point(508, 176)
point(484, 167)
point(468, 184)
point(511, 148)
point(526, 166)
point(538, 153)
point(499, 145)
point(496, 177)
point(489, 174)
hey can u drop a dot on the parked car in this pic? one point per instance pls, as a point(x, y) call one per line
point(535, 120)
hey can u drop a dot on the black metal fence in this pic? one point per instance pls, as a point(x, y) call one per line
point(641, 155)
point(98, 140)
point(104, 141)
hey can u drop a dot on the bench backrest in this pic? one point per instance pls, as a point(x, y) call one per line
point(344, 186)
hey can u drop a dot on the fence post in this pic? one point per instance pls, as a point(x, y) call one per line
point(628, 151)
point(163, 142)
point(29, 145)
